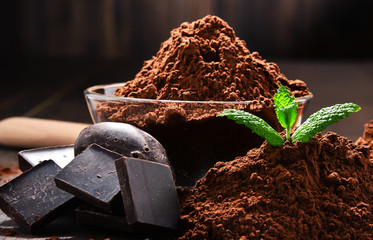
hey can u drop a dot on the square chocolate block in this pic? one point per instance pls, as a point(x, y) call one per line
point(32, 199)
point(149, 195)
point(61, 155)
point(92, 177)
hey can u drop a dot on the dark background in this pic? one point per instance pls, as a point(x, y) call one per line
point(53, 50)
point(134, 29)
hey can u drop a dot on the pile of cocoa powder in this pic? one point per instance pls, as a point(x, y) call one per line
point(201, 61)
point(322, 189)
point(204, 60)
point(367, 138)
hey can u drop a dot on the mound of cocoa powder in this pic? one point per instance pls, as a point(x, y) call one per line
point(322, 189)
point(367, 139)
point(204, 60)
point(201, 61)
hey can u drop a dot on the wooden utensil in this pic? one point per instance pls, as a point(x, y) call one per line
point(28, 132)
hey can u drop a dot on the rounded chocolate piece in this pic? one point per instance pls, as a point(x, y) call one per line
point(122, 138)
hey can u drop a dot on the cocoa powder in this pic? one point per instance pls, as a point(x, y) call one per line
point(201, 61)
point(204, 60)
point(367, 138)
point(322, 189)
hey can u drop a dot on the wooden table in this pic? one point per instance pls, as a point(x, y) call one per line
point(59, 95)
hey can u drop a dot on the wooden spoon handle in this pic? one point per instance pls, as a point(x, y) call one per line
point(34, 132)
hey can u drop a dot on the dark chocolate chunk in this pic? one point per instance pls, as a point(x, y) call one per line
point(92, 177)
point(91, 216)
point(61, 155)
point(32, 199)
point(122, 138)
point(149, 195)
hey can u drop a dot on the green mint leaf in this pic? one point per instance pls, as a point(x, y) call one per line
point(287, 115)
point(320, 120)
point(286, 109)
point(283, 98)
point(256, 124)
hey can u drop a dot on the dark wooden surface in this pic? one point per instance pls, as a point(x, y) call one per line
point(54, 90)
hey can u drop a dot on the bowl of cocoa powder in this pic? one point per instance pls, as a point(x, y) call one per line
point(194, 138)
point(202, 69)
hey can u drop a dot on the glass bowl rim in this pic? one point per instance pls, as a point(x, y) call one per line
point(90, 92)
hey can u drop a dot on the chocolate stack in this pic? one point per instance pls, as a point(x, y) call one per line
point(133, 192)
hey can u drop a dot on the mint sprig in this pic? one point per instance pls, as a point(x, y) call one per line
point(286, 112)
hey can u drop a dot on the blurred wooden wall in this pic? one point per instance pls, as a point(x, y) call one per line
point(135, 28)
point(110, 28)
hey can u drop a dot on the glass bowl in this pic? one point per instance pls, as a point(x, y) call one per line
point(194, 138)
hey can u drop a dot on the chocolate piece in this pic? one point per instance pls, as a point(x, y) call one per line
point(90, 216)
point(32, 199)
point(61, 155)
point(91, 176)
point(122, 138)
point(149, 195)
